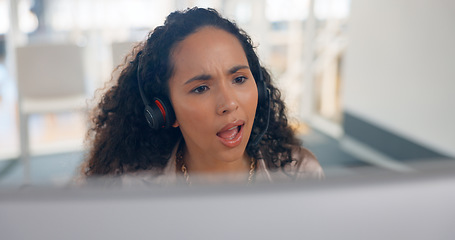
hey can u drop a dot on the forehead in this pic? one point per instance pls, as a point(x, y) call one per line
point(208, 45)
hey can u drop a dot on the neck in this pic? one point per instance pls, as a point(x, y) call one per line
point(228, 172)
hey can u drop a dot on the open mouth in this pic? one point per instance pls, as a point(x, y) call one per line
point(232, 135)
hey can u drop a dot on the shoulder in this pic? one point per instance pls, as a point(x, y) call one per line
point(304, 165)
point(155, 176)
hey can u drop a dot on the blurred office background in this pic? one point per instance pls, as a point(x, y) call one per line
point(367, 82)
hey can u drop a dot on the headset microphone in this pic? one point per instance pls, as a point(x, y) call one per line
point(259, 137)
point(263, 94)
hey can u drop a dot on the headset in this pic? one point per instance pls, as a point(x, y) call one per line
point(160, 114)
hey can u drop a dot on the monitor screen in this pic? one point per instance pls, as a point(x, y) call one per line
point(372, 205)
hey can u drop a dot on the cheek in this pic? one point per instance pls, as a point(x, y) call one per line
point(192, 115)
point(251, 100)
point(188, 112)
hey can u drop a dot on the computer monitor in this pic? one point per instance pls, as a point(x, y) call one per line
point(373, 205)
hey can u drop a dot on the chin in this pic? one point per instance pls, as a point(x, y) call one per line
point(236, 153)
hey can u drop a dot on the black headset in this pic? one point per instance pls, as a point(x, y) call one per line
point(160, 114)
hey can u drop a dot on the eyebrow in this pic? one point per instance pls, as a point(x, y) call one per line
point(205, 77)
point(236, 68)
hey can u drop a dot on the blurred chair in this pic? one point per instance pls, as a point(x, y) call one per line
point(51, 79)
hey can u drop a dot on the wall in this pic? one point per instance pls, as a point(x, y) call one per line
point(400, 69)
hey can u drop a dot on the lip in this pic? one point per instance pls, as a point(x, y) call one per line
point(238, 137)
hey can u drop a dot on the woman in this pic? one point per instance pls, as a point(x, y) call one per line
point(210, 110)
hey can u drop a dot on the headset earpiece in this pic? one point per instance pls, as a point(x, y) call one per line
point(167, 112)
point(153, 117)
point(159, 114)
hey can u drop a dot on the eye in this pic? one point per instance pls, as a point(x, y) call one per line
point(240, 80)
point(200, 89)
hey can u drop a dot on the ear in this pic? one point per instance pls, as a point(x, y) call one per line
point(176, 124)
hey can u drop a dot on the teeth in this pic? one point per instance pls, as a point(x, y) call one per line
point(230, 133)
point(234, 135)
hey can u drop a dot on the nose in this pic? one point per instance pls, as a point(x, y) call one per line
point(226, 101)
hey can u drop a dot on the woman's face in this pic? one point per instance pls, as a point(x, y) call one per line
point(214, 96)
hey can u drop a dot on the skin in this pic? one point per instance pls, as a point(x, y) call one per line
point(212, 87)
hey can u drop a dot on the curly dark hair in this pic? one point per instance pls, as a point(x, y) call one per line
point(120, 139)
